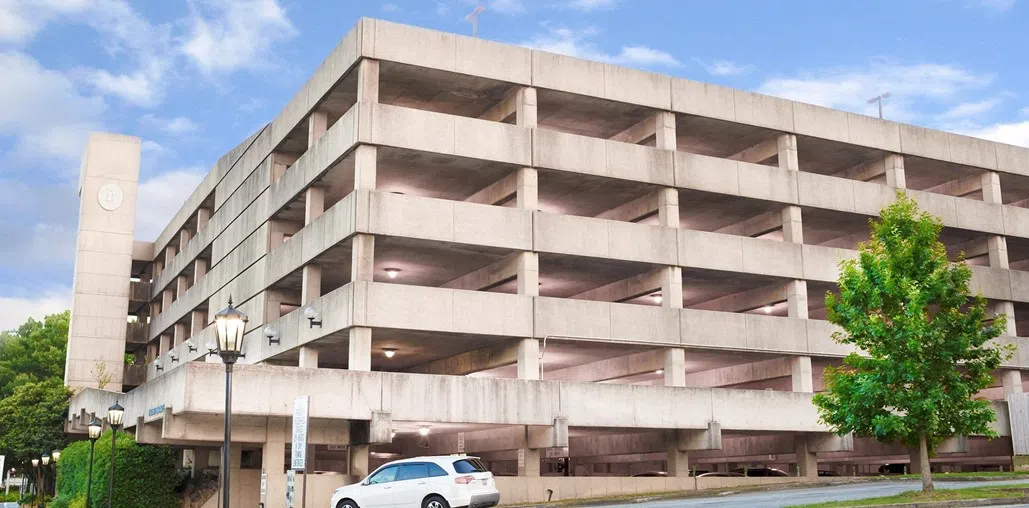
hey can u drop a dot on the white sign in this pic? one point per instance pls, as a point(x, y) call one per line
point(264, 487)
point(301, 405)
point(521, 457)
point(291, 488)
point(460, 442)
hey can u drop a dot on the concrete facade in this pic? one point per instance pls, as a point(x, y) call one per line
point(569, 268)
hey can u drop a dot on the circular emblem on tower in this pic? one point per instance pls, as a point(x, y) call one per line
point(110, 197)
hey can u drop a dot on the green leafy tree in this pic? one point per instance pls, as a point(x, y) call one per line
point(925, 341)
point(33, 352)
point(32, 421)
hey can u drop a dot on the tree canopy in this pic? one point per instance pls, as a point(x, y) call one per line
point(925, 342)
point(33, 352)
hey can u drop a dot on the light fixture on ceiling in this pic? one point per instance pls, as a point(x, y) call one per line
point(389, 352)
point(423, 430)
point(767, 309)
point(659, 371)
point(392, 272)
point(657, 297)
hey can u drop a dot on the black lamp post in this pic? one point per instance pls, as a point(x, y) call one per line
point(35, 466)
point(95, 428)
point(115, 414)
point(56, 454)
point(231, 324)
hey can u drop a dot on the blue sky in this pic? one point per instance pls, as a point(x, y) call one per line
point(194, 77)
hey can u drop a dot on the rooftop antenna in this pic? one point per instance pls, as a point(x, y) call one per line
point(879, 99)
point(473, 18)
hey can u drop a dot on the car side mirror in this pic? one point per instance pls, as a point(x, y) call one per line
point(366, 482)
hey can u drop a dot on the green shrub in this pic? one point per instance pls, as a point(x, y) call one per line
point(144, 475)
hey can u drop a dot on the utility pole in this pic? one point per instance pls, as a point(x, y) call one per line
point(879, 99)
point(473, 18)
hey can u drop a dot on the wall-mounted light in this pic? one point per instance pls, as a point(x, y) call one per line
point(174, 357)
point(158, 366)
point(392, 272)
point(313, 317)
point(767, 309)
point(212, 348)
point(389, 352)
point(272, 335)
point(190, 347)
point(423, 430)
point(392, 435)
point(656, 297)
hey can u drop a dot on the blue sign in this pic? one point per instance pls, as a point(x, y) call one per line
point(154, 411)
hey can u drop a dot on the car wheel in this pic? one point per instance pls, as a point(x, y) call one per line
point(346, 503)
point(435, 502)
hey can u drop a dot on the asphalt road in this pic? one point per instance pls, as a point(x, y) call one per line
point(781, 498)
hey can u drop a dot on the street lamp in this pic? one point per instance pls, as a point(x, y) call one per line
point(230, 325)
point(115, 414)
point(880, 99)
point(96, 427)
point(35, 467)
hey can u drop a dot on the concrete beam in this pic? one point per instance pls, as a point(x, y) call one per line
point(626, 289)
point(740, 374)
point(659, 126)
point(973, 248)
point(633, 211)
point(746, 300)
point(554, 436)
point(489, 357)
point(865, 171)
point(497, 192)
point(488, 276)
point(959, 187)
point(611, 368)
point(758, 153)
point(755, 226)
point(826, 442)
point(706, 439)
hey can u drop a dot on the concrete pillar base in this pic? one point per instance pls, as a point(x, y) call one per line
point(807, 460)
point(528, 462)
point(1020, 462)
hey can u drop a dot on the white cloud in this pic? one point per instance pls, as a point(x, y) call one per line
point(1016, 133)
point(161, 197)
point(176, 125)
point(14, 311)
point(507, 6)
point(43, 110)
point(226, 35)
point(590, 5)
point(968, 110)
point(850, 88)
point(20, 20)
point(390, 7)
point(576, 43)
point(726, 68)
point(994, 5)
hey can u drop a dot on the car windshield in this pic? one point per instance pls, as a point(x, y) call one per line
point(465, 466)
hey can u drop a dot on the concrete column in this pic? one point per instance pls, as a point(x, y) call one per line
point(273, 456)
point(308, 358)
point(181, 285)
point(528, 274)
point(164, 344)
point(525, 107)
point(807, 460)
point(796, 298)
point(671, 288)
point(991, 188)
point(360, 355)
point(158, 267)
point(915, 466)
point(359, 455)
point(167, 297)
point(272, 305)
point(664, 131)
point(362, 258)
point(314, 204)
point(678, 460)
point(998, 249)
point(153, 349)
point(365, 167)
point(528, 462)
point(311, 285)
point(895, 176)
point(800, 373)
point(529, 359)
point(527, 189)
point(155, 307)
point(786, 145)
point(183, 239)
point(203, 216)
point(675, 367)
point(179, 334)
point(368, 81)
point(199, 269)
point(197, 322)
point(668, 207)
point(1012, 381)
point(792, 225)
point(169, 253)
point(317, 124)
point(1008, 309)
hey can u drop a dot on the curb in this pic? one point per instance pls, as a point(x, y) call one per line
point(954, 504)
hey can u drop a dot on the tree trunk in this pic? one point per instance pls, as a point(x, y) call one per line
point(923, 461)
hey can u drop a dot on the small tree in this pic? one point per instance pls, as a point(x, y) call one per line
point(924, 341)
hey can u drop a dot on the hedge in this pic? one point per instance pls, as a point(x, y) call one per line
point(144, 475)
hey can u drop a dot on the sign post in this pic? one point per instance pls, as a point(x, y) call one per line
point(291, 486)
point(301, 407)
point(264, 488)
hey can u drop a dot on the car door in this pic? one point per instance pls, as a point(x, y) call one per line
point(377, 491)
point(412, 484)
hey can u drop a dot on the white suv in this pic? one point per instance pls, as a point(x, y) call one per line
point(449, 481)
